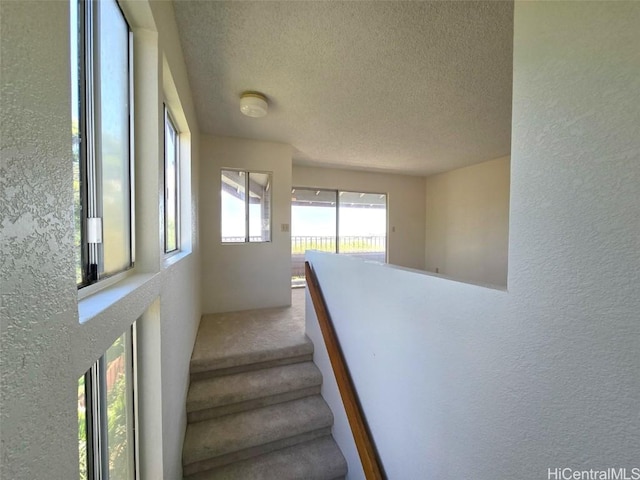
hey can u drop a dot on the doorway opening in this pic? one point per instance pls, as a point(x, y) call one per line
point(336, 221)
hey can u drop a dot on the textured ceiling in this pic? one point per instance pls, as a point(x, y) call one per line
point(411, 87)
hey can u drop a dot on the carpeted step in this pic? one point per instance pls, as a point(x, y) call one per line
point(229, 343)
point(239, 436)
point(319, 459)
point(219, 396)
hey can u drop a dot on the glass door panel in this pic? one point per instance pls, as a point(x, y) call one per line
point(362, 226)
point(313, 226)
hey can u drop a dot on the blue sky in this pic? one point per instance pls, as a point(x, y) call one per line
point(306, 221)
point(322, 221)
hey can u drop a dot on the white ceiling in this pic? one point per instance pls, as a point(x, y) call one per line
point(410, 87)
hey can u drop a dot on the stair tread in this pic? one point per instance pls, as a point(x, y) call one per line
point(319, 459)
point(231, 433)
point(241, 387)
point(227, 340)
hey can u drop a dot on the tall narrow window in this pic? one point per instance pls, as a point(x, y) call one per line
point(106, 414)
point(245, 206)
point(101, 94)
point(171, 169)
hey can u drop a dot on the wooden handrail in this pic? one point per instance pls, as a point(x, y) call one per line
point(362, 436)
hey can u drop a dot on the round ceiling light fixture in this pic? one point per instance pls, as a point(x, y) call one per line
point(253, 104)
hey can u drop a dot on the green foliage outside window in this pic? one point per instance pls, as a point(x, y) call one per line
point(82, 429)
point(118, 410)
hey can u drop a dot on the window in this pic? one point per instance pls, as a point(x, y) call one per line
point(171, 194)
point(106, 414)
point(101, 129)
point(245, 206)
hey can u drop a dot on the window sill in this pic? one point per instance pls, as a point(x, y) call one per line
point(247, 243)
point(94, 288)
point(95, 303)
point(174, 257)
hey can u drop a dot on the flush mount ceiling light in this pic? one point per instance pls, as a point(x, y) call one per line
point(253, 104)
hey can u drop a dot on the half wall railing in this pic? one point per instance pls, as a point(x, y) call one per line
point(367, 247)
point(371, 464)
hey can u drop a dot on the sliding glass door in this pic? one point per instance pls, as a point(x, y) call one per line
point(353, 223)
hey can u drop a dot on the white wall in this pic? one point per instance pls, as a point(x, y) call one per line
point(341, 431)
point(45, 347)
point(467, 222)
point(252, 275)
point(406, 205)
point(180, 304)
point(461, 381)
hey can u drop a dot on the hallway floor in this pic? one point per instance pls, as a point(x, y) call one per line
point(225, 339)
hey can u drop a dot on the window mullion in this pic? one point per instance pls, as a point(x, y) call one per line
point(103, 427)
point(93, 207)
point(90, 403)
point(80, 70)
point(165, 189)
point(96, 437)
point(337, 221)
point(132, 197)
point(131, 383)
point(167, 152)
point(97, 138)
point(176, 199)
point(247, 196)
point(89, 102)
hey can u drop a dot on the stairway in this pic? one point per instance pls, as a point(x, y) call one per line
point(254, 408)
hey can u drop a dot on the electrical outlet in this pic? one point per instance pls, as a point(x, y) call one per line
point(284, 228)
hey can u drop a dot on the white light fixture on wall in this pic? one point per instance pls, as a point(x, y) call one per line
point(253, 104)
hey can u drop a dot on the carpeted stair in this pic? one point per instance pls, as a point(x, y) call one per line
point(254, 407)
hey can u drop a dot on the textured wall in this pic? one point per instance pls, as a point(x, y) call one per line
point(467, 226)
point(38, 292)
point(180, 305)
point(44, 346)
point(405, 203)
point(252, 275)
point(341, 430)
point(437, 74)
point(466, 382)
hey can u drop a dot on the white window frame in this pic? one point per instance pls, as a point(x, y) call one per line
point(168, 121)
point(247, 201)
point(96, 426)
point(90, 191)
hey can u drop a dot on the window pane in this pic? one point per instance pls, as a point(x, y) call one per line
point(233, 211)
point(313, 226)
point(170, 186)
point(75, 135)
point(119, 408)
point(313, 220)
point(259, 207)
point(112, 135)
point(82, 428)
point(363, 225)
